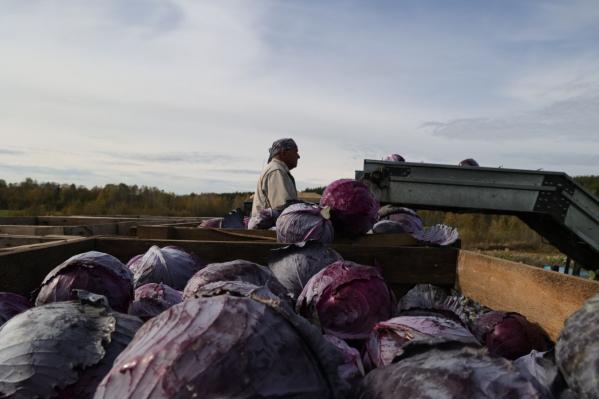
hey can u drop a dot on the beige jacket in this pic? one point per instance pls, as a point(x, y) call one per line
point(275, 187)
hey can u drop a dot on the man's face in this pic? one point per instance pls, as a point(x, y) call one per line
point(290, 157)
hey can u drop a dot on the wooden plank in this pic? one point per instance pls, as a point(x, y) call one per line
point(545, 297)
point(33, 230)
point(23, 269)
point(10, 241)
point(29, 220)
point(406, 265)
point(401, 265)
point(380, 240)
point(176, 232)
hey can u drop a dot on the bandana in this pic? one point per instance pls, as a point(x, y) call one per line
point(280, 145)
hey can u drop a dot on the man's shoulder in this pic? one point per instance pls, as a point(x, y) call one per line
point(273, 166)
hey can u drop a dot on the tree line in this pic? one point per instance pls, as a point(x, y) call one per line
point(33, 198)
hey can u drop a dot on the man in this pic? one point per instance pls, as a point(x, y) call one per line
point(276, 186)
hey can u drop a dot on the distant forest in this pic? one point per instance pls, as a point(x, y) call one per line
point(32, 198)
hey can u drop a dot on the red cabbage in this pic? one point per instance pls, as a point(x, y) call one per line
point(265, 219)
point(388, 338)
point(446, 370)
point(438, 234)
point(152, 299)
point(303, 222)
point(244, 344)
point(468, 162)
point(62, 349)
point(395, 219)
point(11, 305)
point(540, 369)
point(509, 334)
point(170, 265)
point(346, 299)
point(353, 207)
point(394, 158)
point(352, 369)
point(237, 270)
point(577, 350)
point(294, 265)
point(92, 271)
point(211, 223)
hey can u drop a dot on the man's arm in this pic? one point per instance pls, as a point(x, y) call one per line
point(280, 189)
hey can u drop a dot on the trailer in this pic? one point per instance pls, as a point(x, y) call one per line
point(545, 297)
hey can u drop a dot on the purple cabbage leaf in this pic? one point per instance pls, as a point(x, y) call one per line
point(304, 222)
point(352, 369)
point(509, 334)
point(446, 370)
point(353, 207)
point(91, 271)
point(577, 350)
point(294, 265)
point(152, 299)
point(170, 265)
point(394, 219)
point(388, 338)
point(237, 270)
point(62, 349)
point(12, 304)
point(346, 300)
point(541, 369)
point(244, 342)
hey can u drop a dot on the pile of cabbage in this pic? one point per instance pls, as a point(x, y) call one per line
point(347, 209)
point(306, 324)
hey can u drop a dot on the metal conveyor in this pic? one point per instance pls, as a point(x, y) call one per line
point(551, 203)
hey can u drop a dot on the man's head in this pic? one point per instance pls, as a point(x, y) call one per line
point(285, 150)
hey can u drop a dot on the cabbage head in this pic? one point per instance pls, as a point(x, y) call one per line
point(304, 222)
point(152, 299)
point(509, 334)
point(244, 342)
point(346, 300)
point(170, 265)
point(389, 337)
point(577, 350)
point(446, 370)
point(294, 265)
point(11, 305)
point(353, 207)
point(62, 349)
point(236, 270)
point(91, 271)
point(400, 219)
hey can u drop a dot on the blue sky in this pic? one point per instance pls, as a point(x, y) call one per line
point(188, 95)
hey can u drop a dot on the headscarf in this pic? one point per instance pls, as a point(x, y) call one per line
point(280, 145)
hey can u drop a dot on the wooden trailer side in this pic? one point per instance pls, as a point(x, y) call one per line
point(544, 297)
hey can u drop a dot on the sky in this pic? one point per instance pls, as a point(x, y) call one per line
point(188, 96)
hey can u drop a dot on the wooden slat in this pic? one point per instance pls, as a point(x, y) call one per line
point(175, 232)
point(11, 241)
point(545, 297)
point(401, 265)
point(23, 269)
point(30, 220)
point(33, 230)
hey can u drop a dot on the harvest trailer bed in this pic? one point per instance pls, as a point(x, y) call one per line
point(545, 297)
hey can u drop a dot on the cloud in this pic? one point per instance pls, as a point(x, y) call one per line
point(173, 157)
point(576, 118)
point(10, 152)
